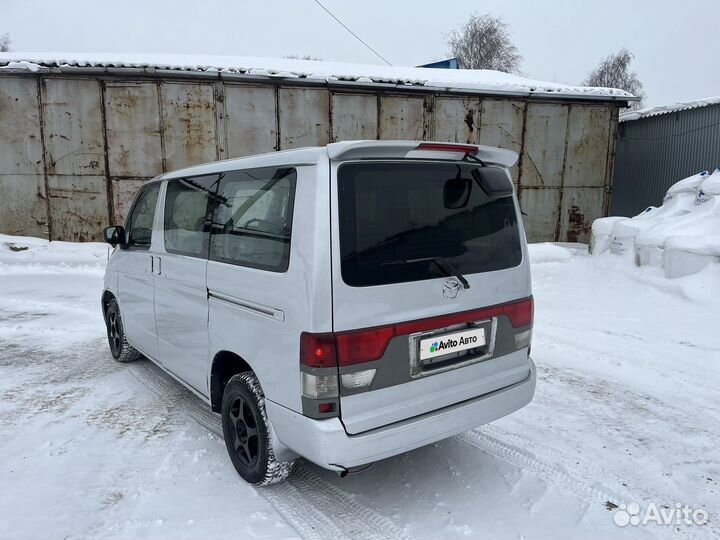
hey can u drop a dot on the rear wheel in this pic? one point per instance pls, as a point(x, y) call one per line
point(121, 350)
point(246, 432)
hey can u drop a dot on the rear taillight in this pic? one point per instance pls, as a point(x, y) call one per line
point(358, 380)
point(520, 313)
point(360, 346)
point(363, 346)
point(320, 386)
point(523, 340)
point(318, 350)
point(344, 348)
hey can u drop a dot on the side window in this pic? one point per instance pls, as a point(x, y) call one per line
point(139, 223)
point(252, 223)
point(186, 214)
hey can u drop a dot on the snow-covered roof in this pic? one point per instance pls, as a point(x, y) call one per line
point(336, 73)
point(665, 109)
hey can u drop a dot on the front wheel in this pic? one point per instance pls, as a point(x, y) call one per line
point(247, 434)
point(121, 350)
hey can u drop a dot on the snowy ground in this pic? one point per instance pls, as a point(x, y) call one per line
point(626, 410)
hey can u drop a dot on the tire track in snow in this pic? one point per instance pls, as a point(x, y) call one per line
point(624, 493)
point(585, 470)
point(525, 460)
point(356, 520)
point(583, 488)
point(303, 516)
point(315, 508)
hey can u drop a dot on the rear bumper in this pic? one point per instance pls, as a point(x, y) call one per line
point(325, 442)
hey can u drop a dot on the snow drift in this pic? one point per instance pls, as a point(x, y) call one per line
point(682, 236)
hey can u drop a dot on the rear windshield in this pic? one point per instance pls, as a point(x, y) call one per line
point(399, 219)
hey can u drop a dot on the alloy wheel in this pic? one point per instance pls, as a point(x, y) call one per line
point(243, 428)
point(114, 331)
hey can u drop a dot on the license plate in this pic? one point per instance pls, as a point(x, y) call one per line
point(440, 345)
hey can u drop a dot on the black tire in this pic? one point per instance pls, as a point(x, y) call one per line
point(120, 349)
point(245, 428)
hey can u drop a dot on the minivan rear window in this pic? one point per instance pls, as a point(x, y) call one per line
point(399, 219)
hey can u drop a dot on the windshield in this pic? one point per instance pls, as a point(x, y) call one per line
point(397, 219)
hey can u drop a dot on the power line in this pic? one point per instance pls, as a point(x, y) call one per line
point(381, 57)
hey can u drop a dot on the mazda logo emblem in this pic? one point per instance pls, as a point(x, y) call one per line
point(451, 288)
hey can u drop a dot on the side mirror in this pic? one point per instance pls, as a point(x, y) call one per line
point(456, 192)
point(114, 235)
point(494, 181)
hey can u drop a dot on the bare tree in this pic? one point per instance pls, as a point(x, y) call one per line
point(614, 72)
point(303, 57)
point(484, 43)
point(5, 42)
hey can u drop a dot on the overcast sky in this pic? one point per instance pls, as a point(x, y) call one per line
point(675, 42)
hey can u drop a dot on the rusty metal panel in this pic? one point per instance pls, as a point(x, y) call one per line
point(612, 149)
point(354, 117)
point(544, 146)
point(132, 123)
point(22, 180)
point(401, 117)
point(123, 192)
point(78, 207)
point(20, 139)
point(540, 206)
point(188, 124)
point(220, 125)
point(304, 117)
point(457, 120)
point(501, 125)
point(75, 157)
point(587, 146)
point(580, 207)
point(610, 163)
point(72, 116)
point(23, 211)
point(250, 120)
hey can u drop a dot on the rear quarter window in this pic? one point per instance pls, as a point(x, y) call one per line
point(252, 222)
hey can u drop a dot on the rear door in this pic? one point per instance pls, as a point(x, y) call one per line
point(407, 235)
point(181, 298)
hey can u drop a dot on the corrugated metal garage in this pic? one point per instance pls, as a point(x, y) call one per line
point(656, 147)
point(77, 138)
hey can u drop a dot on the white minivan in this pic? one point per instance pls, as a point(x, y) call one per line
point(343, 303)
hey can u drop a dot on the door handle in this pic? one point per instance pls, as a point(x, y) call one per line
point(152, 264)
point(159, 265)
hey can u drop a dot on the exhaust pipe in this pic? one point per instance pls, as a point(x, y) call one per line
point(342, 472)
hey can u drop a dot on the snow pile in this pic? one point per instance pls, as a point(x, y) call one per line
point(548, 252)
point(38, 252)
point(682, 236)
point(21, 65)
point(473, 80)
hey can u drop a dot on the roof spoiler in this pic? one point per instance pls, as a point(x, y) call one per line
point(419, 149)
